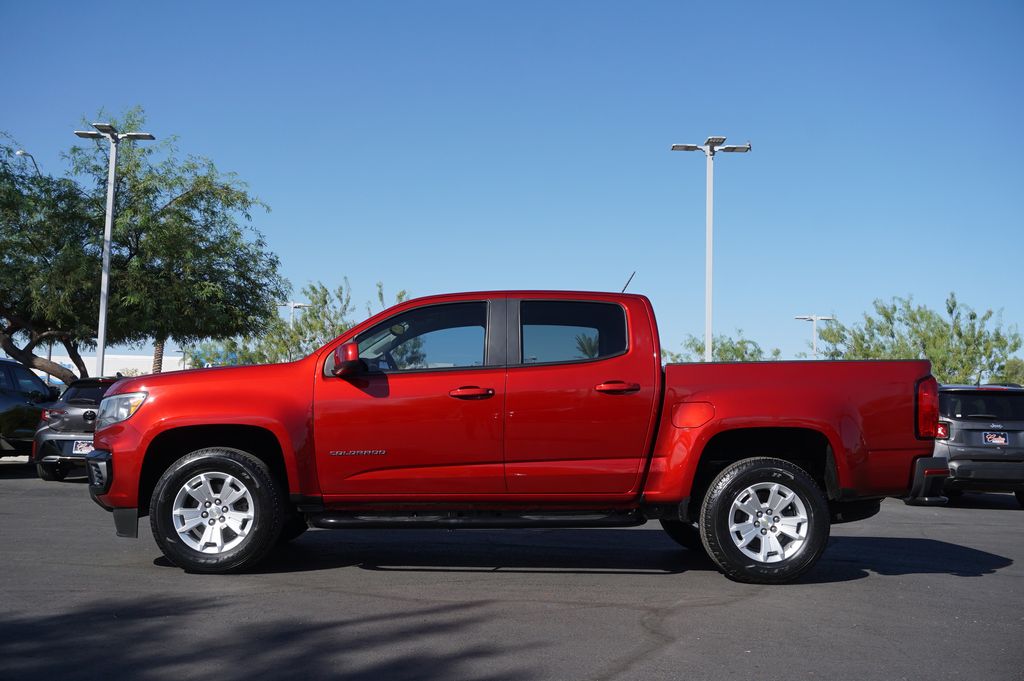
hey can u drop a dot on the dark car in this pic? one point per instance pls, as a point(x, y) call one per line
point(981, 433)
point(22, 397)
point(65, 430)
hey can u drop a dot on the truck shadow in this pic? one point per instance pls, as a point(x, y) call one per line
point(627, 552)
point(171, 637)
point(16, 470)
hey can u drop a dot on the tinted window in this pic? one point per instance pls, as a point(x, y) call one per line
point(27, 382)
point(5, 380)
point(562, 331)
point(86, 393)
point(434, 337)
point(982, 406)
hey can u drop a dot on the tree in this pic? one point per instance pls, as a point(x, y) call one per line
point(190, 269)
point(185, 262)
point(961, 345)
point(329, 315)
point(723, 349)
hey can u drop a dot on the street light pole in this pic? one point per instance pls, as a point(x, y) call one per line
point(814, 319)
point(22, 152)
point(711, 146)
point(291, 314)
point(110, 133)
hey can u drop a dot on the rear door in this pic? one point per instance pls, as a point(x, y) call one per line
point(580, 398)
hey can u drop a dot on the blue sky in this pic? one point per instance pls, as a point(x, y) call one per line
point(440, 146)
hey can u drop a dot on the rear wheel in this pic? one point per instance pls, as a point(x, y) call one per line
point(51, 471)
point(216, 510)
point(764, 521)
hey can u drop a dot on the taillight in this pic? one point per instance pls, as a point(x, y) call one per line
point(927, 408)
point(942, 431)
point(51, 413)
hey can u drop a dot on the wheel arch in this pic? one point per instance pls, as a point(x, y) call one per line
point(172, 444)
point(808, 448)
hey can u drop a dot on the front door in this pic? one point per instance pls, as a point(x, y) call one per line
point(426, 418)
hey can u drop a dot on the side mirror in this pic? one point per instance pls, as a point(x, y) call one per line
point(347, 362)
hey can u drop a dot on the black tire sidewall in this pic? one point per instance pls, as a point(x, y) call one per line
point(266, 497)
point(715, 515)
point(50, 471)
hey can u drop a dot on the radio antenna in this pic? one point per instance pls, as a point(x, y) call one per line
point(628, 280)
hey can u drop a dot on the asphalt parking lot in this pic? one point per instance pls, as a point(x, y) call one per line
point(913, 593)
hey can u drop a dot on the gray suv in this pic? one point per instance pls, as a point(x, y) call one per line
point(981, 433)
point(66, 427)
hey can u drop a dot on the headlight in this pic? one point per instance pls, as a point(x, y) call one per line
point(117, 408)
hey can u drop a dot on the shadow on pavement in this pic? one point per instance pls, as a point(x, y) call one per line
point(627, 552)
point(848, 558)
point(990, 502)
point(173, 638)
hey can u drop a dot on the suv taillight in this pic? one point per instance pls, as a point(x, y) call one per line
point(942, 431)
point(927, 408)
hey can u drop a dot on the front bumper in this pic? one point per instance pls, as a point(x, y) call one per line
point(929, 476)
point(985, 476)
point(100, 466)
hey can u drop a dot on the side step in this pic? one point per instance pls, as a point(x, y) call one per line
point(333, 520)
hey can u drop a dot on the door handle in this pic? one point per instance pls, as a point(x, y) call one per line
point(471, 392)
point(617, 387)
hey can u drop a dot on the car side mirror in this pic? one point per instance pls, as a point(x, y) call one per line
point(347, 362)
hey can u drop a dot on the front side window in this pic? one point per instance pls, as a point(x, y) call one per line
point(434, 337)
point(569, 331)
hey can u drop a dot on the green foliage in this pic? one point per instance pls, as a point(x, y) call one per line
point(723, 349)
point(184, 262)
point(963, 345)
point(328, 316)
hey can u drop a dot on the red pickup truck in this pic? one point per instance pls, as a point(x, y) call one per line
point(514, 409)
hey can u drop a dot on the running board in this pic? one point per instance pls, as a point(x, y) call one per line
point(332, 520)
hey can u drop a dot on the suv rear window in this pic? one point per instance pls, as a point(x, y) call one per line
point(982, 405)
point(88, 393)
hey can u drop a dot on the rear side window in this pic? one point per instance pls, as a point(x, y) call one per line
point(570, 331)
point(5, 380)
point(982, 405)
point(27, 382)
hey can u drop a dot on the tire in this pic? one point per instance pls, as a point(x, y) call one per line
point(194, 485)
point(1020, 498)
point(686, 535)
point(294, 526)
point(753, 484)
point(51, 471)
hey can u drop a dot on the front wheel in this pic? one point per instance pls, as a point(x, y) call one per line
point(216, 510)
point(764, 521)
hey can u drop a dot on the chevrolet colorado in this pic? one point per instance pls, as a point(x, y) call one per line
point(514, 409)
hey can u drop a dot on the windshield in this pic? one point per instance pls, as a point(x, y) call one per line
point(982, 405)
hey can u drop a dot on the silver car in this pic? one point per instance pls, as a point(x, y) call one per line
point(64, 435)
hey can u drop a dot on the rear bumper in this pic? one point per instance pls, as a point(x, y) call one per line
point(928, 479)
point(54, 447)
point(985, 476)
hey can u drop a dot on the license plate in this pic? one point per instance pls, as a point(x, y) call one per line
point(82, 447)
point(991, 438)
